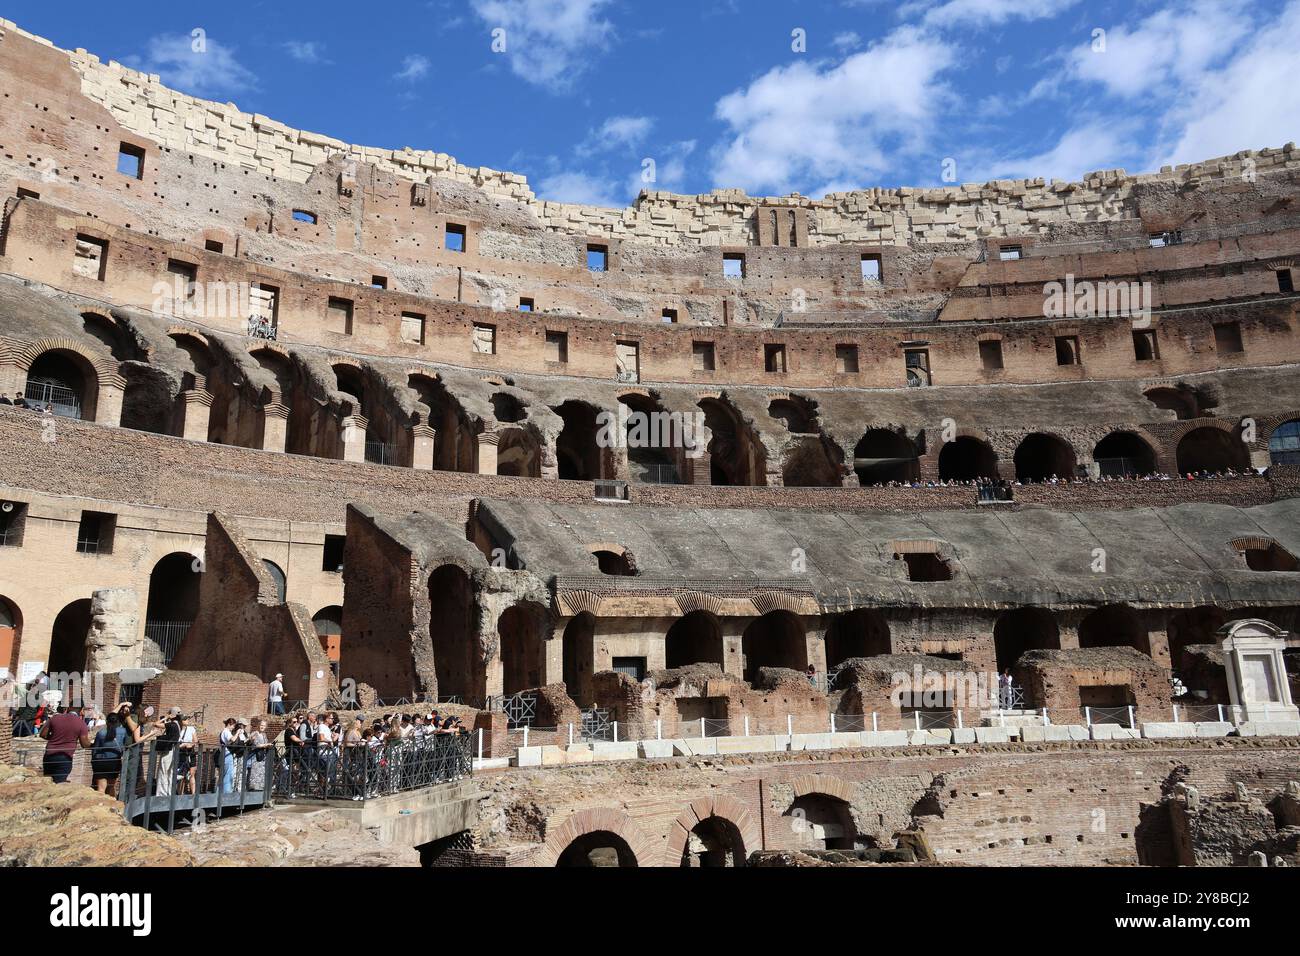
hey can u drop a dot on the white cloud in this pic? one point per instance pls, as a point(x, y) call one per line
point(414, 67)
point(833, 123)
point(1174, 45)
point(617, 132)
point(201, 66)
point(576, 186)
point(846, 41)
point(306, 51)
point(1090, 146)
point(669, 168)
point(549, 42)
point(992, 12)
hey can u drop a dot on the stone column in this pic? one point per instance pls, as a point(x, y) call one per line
point(114, 641)
point(733, 660)
point(275, 426)
point(487, 453)
point(353, 432)
point(423, 442)
point(108, 404)
point(196, 412)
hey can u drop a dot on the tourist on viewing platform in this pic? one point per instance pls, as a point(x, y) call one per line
point(20, 401)
point(106, 755)
point(187, 754)
point(125, 718)
point(230, 741)
point(275, 696)
point(169, 734)
point(62, 733)
point(29, 718)
point(255, 759)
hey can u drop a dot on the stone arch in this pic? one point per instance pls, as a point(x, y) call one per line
point(1189, 627)
point(11, 634)
point(278, 577)
point(736, 455)
point(777, 639)
point(694, 638)
point(1211, 447)
point(577, 452)
point(68, 639)
point(798, 414)
point(639, 849)
point(1124, 453)
point(1284, 443)
point(614, 559)
point(456, 661)
point(649, 458)
point(1023, 629)
point(967, 457)
point(522, 631)
point(1183, 402)
point(577, 649)
point(103, 326)
point(519, 453)
point(882, 456)
point(1042, 455)
point(863, 632)
point(813, 462)
point(821, 810)
point(171, 607)
point(63, 374)
point(454, 446)
point(722, 808)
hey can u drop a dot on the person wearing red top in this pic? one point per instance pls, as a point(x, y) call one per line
point(62, 733)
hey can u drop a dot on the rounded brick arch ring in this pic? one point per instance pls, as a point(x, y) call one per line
point(823, 784)
point(603, 820)
point(724, 808)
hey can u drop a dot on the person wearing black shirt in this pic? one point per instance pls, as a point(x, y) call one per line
point(165, 747)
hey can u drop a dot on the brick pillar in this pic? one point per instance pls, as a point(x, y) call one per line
point(196, 412)
point(108, 404)
point(494, 730)
point(423, 441)
point(353, 430)
point(275, 427)
point(6, 734)
point(487, 453)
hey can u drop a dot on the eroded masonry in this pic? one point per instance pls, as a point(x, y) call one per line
point(699, 477)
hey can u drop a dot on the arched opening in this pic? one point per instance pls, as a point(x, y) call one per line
point(277, 575)
point(1265, 554)
point(454, 444)
point(654, 441)
point(518, 454)
point(576, 451)
point(1211, 449)
point(1122, 454)
point(798, 414)
point(777, 639)
point(736, 456)
point(578, 650)
point(598, 848)
point(328, 624)
point(1284, 444)
point(860, 633)
point(352, 384)
point(508, 408)
point(966, 458)
point(694, 638)
point(714, 842)
point(68, 639)
point(614, 563)
point(822, 822)
point(64, 382)
point(1041, 457)
point(1114, 625)
point(110, 333)
point(172, 606)
point(882, 456)
point(1023, 629)
point(522, 631)
point(11, 635)
point(812, 463)
point(452, 632)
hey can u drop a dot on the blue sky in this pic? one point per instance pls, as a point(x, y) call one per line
point(722, 93)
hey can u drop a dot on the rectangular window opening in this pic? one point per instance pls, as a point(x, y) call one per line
point(95, 533)
point(338, 316)
point(598, 258)
point(1227, 338)
point(557, 347)
point(733, 265)
point(413, 328)
point(332, 559)
point(130, 161)
point(455, 240)
point(1067, 350)
point(871, 268)
point(90, 258)
point(991, 355)
point(702, 357)
point(774, 358)
point(846, 359)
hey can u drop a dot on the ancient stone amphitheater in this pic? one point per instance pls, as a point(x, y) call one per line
point(344, 413)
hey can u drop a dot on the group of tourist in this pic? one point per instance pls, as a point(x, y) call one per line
point(1006, 484)
point(20, 401)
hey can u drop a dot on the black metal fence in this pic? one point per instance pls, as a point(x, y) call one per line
point(159, 783)
point(362, 771)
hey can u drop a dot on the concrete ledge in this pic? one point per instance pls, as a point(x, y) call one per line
point(1166, 730)
point(1213, 728)
point(963, 735)
point(1041, 734)
point(1269, 728)
point(1115, 732)
point(529, 757)
point(760, 744)
point(885, 738)
point(696, 747)
point(604, 750)
point(991, 735)
point(656, 749)
point(929, 738)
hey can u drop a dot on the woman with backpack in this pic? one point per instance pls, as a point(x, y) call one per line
point(106, 755)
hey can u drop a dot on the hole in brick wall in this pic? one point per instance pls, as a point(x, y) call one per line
point(991, 355)
point(598, 258)
point(1067, 350)
point(733, 265)
point(455, 238)
point(130, 161)
point(302, 215)
point(1227, 338)
point(332, 553)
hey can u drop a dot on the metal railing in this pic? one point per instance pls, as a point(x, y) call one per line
point(260, 327)
point(159, 781)
point(365, 771)
point(1124, 716)
point(380, 453)
point(162, 641)
point(63, 400)
point(657, 473)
